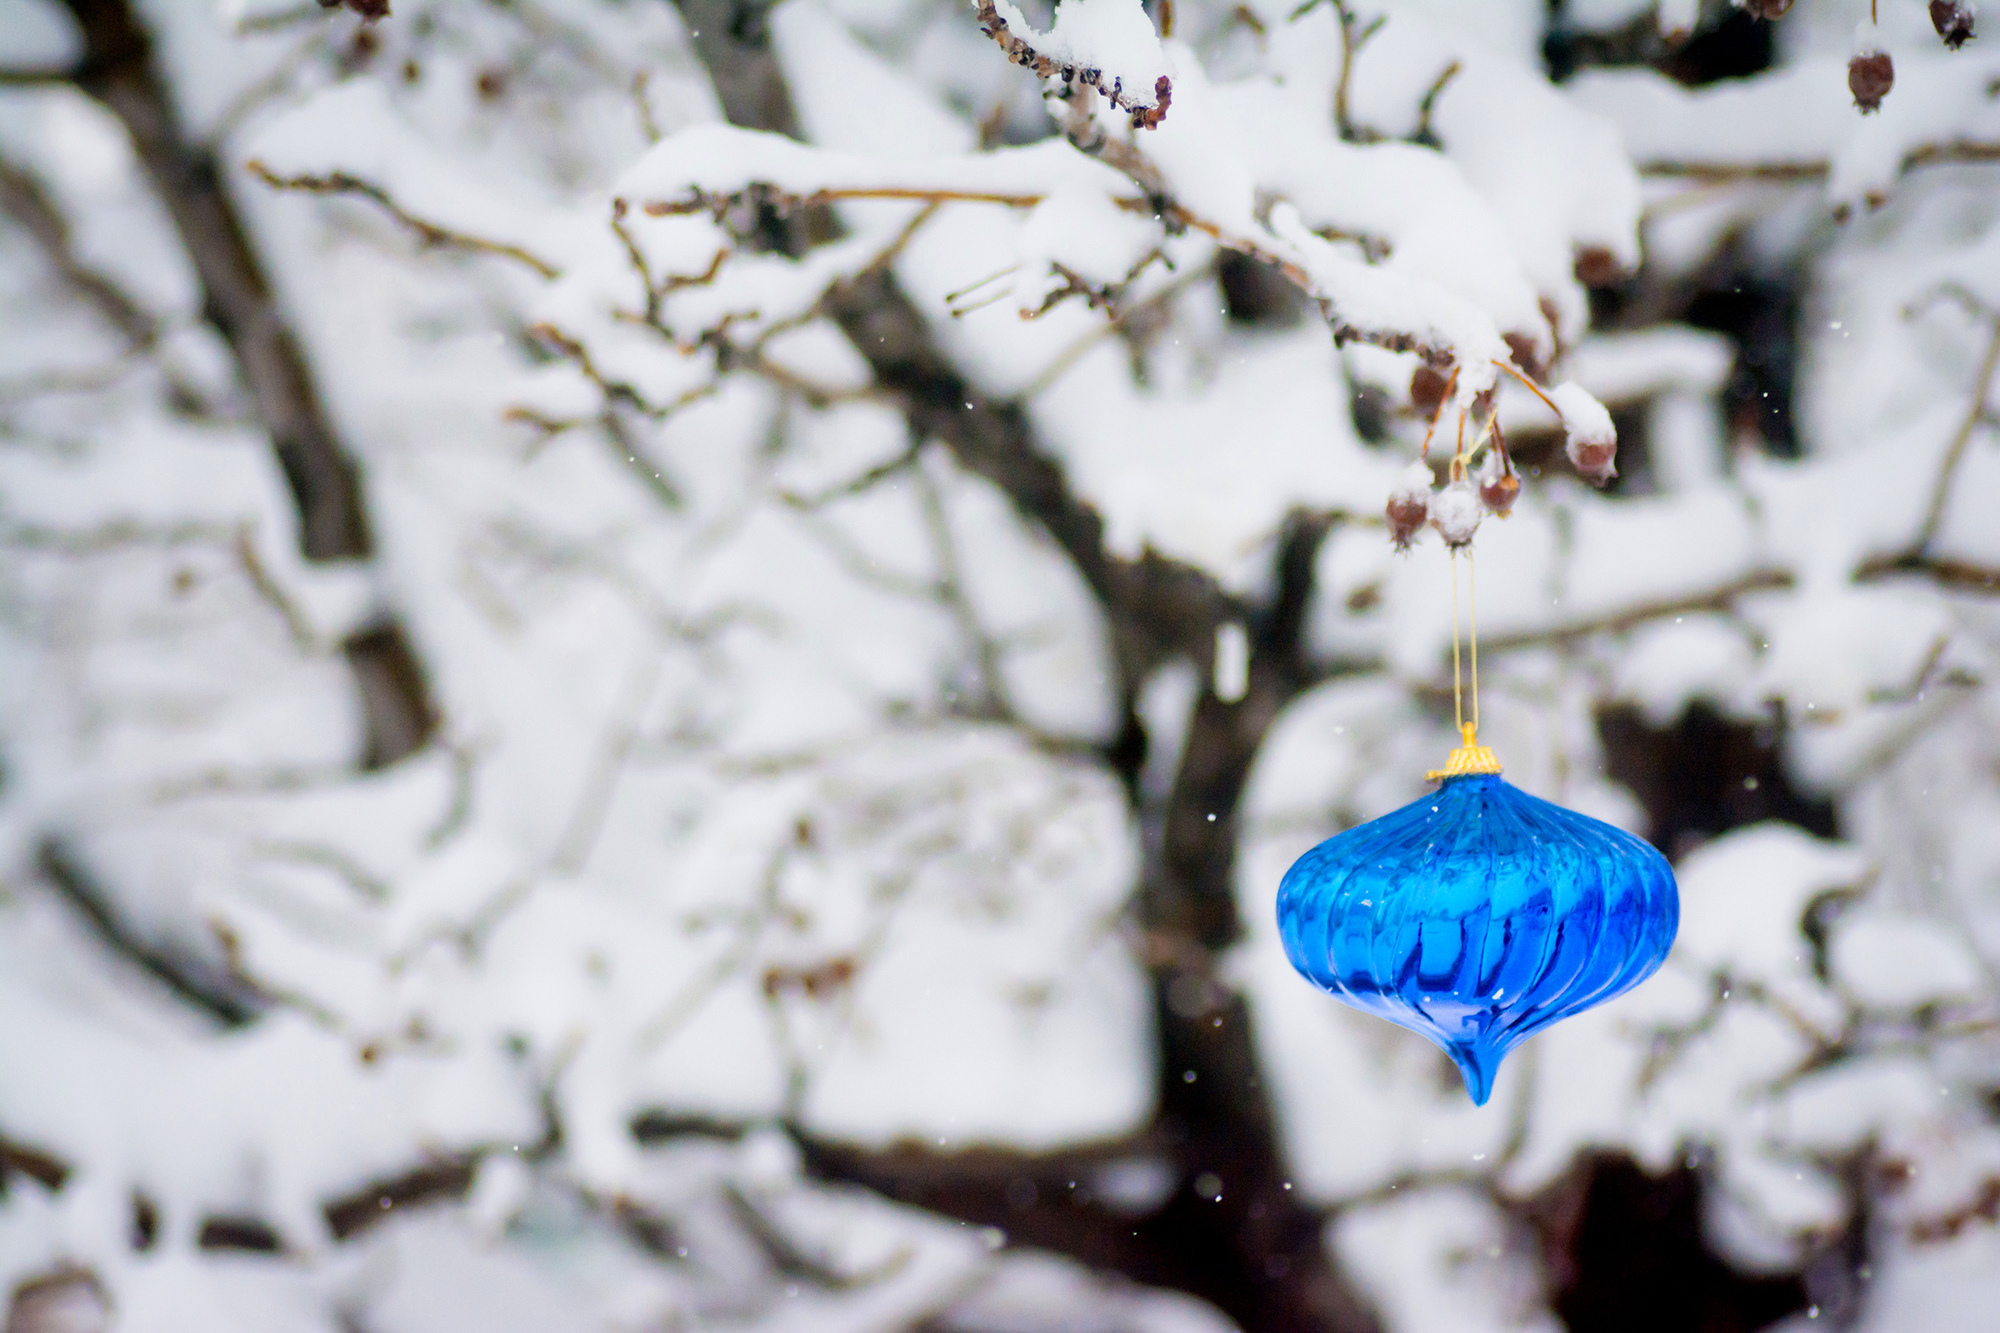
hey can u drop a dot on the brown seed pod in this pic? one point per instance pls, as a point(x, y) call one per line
point(1525, 354)
point(1870, 76)
point(1595, 459)
point(1499, 484)
point(1591, 440)
point(1428, 387)
point(1499, 487)
point(1407, 515)
point(1595, 266)
point(1409, 505)
point(1953, 22)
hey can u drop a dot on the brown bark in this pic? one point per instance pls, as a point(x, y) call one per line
point(118, 69)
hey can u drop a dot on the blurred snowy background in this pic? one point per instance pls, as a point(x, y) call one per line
point(658, 658)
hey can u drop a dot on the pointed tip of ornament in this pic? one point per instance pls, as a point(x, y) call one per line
point(1478, 1064)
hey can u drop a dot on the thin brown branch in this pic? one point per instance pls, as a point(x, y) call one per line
point(1633, 616)
point(615, 390)
point(1975, 416)
point(856, 485)
point(447, 1177)
point(271, 591)
point(112, 536)
point(431, 234)
point(1427, 107)
point(651, 475)
point(1812, 171)
point(1023, 53)
point(791, 1259)
point(1982, 1207)
point(202, 987)
point(702, 201)
point(1126, 159)
point(24, 199)
point(1121, 321)
point(1353, 36)
point(1957, 575)
point(593, 801)
point(37, 76)
point(1532, 387)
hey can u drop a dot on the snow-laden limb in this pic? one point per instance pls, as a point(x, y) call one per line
point(1108, 45)
point(714, 168)
point(1447, 289)
point(1798, 124)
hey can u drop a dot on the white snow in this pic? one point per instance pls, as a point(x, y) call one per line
point(770, 786)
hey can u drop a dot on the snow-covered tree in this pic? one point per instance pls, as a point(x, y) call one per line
point(658, 657)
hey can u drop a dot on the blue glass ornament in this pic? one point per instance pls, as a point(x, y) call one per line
point(1478, 915)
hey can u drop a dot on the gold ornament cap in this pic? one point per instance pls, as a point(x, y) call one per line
point(1467, 759)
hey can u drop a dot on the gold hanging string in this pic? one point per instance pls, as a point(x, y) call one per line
point(1457, 694)
point(1472, 621)
point(1470, 757)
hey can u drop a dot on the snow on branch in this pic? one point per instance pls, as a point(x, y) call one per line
point(1104, 44)
point(712, 169)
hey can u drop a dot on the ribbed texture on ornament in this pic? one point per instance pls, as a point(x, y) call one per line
point(1477, 916)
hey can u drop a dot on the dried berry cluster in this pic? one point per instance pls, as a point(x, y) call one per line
point(1454, 509)
point(1482, 479)
point(1144, 116)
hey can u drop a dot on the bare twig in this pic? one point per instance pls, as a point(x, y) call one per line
point(791, 1259)
point(701, 201)
point(36, 76)
point(271, 591)
point(1630, 617)
point(855, 485)
point(365, 883)
point(593, 802)
point(113, 536)
point(1353, 36)
point(428, 232)
point(23, 198)
point(1428, 106)
point(1975, 416)
point(1807, 171)
point(199, 986)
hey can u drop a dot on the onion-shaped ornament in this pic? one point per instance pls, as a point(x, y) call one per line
point(1478, 915)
